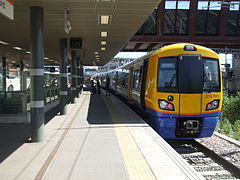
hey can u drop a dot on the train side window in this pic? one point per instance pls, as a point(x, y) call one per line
point(167, 74)
point(135, 79)
point(140, 79)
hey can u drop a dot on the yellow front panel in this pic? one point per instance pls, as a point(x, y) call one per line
point(190, 104)
point(164, 96)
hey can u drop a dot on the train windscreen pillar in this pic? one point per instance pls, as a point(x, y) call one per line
point(78, 77)
point(73, 76)
point(37, 74)
point(63, 76)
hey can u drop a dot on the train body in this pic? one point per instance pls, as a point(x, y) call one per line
point(179, 86)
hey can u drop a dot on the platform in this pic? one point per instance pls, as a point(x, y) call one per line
point(100, 138)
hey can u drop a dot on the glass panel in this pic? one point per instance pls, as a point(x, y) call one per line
point(183, 4)
point(190, 74)
point(169, 22)
point(13, 81)
point(170, 4)
point(167, 79)
point(211, 75)
point(181, 24)
point(202, 5)
point(215, 5)
point(149, 26)
point(201, 22)
point(212, 22)
point(234, 6)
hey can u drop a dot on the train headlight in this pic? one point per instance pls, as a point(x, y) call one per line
point(212, 105)
point(163, 104)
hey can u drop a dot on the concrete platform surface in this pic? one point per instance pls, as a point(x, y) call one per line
point(100, 138)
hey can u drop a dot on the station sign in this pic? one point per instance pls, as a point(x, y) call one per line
point(76, 43)
point(7, 8)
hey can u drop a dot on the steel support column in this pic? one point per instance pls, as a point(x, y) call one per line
point(63, 74)
point(37, 74)
point(4, 74)
point(192, 18)
point(73, 76)
point(78, 77)
point(81, 77)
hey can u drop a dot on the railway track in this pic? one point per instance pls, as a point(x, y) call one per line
point(209, 164)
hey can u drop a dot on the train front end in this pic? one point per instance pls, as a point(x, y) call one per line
point(185, 98)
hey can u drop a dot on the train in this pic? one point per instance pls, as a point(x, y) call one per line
point(178, 87)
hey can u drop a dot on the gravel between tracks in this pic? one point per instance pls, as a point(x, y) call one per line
point(226, 149)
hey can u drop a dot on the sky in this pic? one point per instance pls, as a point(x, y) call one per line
point(130, 54)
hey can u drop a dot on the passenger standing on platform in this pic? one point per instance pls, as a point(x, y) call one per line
point(108, 87)
point(93, 85)
point(98, 85)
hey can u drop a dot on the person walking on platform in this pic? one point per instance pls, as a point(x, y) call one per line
point(98, 86)
point(108, 87)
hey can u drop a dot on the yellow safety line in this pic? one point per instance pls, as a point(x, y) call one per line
point(137, 167)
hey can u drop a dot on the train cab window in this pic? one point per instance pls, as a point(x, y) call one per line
point(167, 74)
point(211, 75)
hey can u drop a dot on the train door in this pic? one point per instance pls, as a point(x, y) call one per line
point(190, 84)
point(144, 78)
point(130, 81)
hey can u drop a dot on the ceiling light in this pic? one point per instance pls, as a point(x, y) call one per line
point(97, 56)
point(50, 60)
point(103, 42)
point(46, 58)
point(13, 61)
point(104, 19)
point(55, 61)
point(28, 52)
point(103, 48)
point(95, 52)
point(104, 33)
point(17, 48)
point(4, 43)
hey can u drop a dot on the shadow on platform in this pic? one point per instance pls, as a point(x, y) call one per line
point(98, 112)
point(12, 136)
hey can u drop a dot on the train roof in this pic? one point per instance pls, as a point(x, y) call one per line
point(179, 48)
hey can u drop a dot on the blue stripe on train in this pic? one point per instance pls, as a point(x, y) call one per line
point(165, 124)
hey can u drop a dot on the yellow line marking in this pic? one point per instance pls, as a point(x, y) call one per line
point(137, 167)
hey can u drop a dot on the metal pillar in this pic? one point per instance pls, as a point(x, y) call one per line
point(21, 75)
point(73, 76)
point(81, 78)
point(78, 77)
point(4, 74)
point(37, 74)
point(63, 73)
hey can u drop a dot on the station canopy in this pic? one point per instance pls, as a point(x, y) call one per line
point(105, 26)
